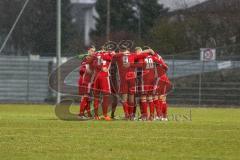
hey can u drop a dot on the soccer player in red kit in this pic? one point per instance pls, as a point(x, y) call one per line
point(102, 82)
point(147, 83)
point(162, 86)
point(85, 82)
point(127, 79)
point(123, 60)
point(146, 86)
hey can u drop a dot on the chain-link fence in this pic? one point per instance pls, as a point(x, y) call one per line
point(195, 82)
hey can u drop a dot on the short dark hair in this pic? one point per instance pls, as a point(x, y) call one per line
point(146, 47)
point(123, 48)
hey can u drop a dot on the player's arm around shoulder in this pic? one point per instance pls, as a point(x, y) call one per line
point(147, 52)
point(107, 56)
point(144, 54)
point(159, 60)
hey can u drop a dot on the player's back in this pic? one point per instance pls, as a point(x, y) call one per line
point(123, 62)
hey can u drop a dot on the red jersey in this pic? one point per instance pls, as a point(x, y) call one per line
point(131, 59)
point(85, 79)
point(94, 63)
point(87, 69)
point(123, 62)
point(152, 62)
point(126, 65)
point(103, 60)
point(160, 66)
point(146, 64)
point(82, 68)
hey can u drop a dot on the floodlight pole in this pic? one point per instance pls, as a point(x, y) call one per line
point(58, 49)
point(108, 21)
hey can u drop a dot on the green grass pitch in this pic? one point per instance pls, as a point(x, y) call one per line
point(34, 132)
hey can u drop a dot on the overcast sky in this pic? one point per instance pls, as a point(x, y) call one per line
point(173, 4)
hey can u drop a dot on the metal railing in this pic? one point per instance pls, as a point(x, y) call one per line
point(25, 80)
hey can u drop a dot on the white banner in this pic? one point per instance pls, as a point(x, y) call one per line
point(34, 57)
point(63, 59)
point(224, 65)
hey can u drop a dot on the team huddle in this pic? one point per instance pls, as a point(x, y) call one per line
point(131, 78)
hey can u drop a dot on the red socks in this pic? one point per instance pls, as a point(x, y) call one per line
point(105, 105)
point(141, 108)
point(83, 105)
point(161, 108)
point(164, 109)
point(125, 109)
point(131, 109)
point(159, 114)
point(158, 104)
point(144, 107)
point(88, 108)
point(151, 106)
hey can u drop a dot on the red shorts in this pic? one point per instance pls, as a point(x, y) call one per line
point(127, 86)
point(163, 85)
point(101, 84)
point(84, 85)
point(147, 82)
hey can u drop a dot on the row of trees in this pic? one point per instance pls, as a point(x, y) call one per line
point(186, 32)
point(179, 32)
point(144, 21)
point(36, 29)
point(130, 19)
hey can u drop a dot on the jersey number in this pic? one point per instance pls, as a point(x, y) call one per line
point(101, 61)
point(125, 59)
point(149, 63)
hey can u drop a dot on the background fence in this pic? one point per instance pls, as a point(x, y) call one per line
point(25, 80)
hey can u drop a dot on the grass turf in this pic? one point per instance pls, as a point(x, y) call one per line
point(34, 132)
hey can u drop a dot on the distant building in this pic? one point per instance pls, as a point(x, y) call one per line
point(83, 13)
